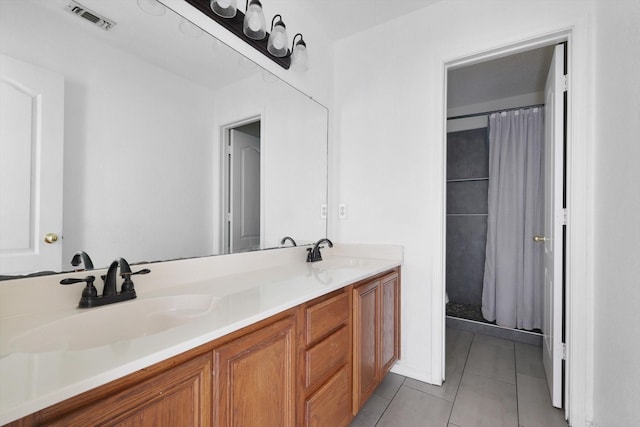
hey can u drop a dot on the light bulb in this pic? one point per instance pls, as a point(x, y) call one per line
point(254, 25)
point(299, 55)
point(224, 8)
point(278, 41)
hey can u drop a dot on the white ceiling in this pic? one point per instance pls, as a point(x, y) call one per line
point(342, 18)
point(160, 40)
point(513, 75)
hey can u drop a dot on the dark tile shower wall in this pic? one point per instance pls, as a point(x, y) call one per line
point(467, 187)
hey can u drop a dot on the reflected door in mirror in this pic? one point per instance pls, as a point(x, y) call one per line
point(31, 137)
point(244, 178)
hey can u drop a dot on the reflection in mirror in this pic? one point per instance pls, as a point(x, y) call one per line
point(143, 128)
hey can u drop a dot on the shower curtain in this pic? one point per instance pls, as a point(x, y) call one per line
point(512, 287)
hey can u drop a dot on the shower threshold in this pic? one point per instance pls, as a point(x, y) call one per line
point(474, 313)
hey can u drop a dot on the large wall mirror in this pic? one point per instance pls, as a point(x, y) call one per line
point(151, 141)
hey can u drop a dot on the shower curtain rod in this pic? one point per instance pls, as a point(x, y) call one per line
point(494, 111)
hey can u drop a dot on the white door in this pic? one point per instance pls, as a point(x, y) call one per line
point(31, 138)
point(244, 192)
point(553, 226)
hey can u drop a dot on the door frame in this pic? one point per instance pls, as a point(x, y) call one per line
point(225, 138)
point(578, 286)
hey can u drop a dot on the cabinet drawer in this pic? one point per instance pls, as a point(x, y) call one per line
point(330, 406)
point(325, 357)
point(326, 316)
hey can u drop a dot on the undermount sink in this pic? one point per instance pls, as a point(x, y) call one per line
point(110, 324)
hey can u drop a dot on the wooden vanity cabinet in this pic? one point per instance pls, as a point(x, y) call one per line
point(254, 378)
point(312, 365)
point(376, 333)
point(180, 395)
point(325, 361)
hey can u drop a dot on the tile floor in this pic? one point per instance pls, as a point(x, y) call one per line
point(490, 382)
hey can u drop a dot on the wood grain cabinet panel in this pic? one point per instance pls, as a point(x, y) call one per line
point(330, 406)
point(376, 334)
point(324, 317)
point(180, 396)
point(324, 358)
point(389, 322)
point(325, 353)
point(365, 342)
point(254, 378)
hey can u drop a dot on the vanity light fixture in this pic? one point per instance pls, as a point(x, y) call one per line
point(254, 25)
point(299, 56)
point(252, 29)
point(277, 44)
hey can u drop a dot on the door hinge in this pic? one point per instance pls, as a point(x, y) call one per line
point(228, 216)
point(563, 349)
point(564, 216)
point(565, 82)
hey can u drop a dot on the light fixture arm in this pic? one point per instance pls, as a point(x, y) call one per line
point(273, 21)
point(293, 43)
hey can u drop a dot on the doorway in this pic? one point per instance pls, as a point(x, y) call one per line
point(480, 95)
point(242, 184)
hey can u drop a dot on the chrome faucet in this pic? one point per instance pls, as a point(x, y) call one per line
point(90, 297)
point(81, 257)
point(285, 238)
point(314, 253)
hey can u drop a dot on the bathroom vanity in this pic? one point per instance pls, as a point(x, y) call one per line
point(284, 343)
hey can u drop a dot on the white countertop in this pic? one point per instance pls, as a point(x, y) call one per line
point(35, 379)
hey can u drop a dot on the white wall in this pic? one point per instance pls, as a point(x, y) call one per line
point(389, 147)
point(137, 159)
point(617, 214)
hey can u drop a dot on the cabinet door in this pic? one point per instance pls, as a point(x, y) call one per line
point(330, 406)
point(180, 396)
point(389, 322)
point(254, 378)
point(365, 340)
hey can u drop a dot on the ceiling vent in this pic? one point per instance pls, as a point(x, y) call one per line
point(97, 20)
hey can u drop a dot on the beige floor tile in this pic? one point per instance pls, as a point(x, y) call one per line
point(529, 360)
point(492, 358)
point(412, 408)
point(390, 385)
point(371, 412)
point(485, 402)
point(534, 404)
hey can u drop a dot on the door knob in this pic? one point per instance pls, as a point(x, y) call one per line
point(50, 238)
point(539, 239)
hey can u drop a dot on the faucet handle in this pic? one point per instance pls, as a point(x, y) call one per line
point(89, 291)
point(143, 271)
point(127, 284)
